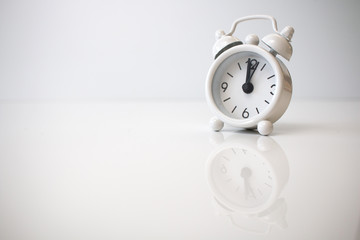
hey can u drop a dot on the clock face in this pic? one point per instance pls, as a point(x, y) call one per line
point(244, 85)
point(242, 178)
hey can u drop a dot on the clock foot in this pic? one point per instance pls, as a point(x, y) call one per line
point(216, 124)
point(265, 127)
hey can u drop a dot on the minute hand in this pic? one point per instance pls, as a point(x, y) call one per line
point(248, 87)
point(248, 75)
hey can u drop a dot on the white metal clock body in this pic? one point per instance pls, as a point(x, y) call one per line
point(248, 86)
point(272, 87)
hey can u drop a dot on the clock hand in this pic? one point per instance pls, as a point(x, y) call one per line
point(245, 174)
point(248, 77)
point(248, 87)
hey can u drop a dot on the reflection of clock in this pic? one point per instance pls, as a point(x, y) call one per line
point(243, 177)
point(247, 174)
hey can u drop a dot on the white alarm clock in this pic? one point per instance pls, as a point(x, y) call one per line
point(248, 86)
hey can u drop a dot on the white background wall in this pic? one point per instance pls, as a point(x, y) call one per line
point(161, 50)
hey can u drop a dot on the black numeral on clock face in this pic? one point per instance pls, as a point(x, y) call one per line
point(254, 63)
point(245, 113)
point(272, 87)
point(224, 86)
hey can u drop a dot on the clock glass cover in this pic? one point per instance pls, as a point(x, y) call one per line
point(244, 85)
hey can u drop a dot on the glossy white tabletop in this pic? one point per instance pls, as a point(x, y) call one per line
point(114, 170)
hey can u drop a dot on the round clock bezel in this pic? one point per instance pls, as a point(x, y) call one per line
point(270, 112)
